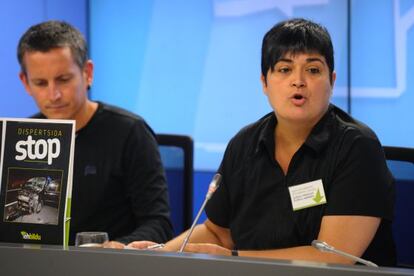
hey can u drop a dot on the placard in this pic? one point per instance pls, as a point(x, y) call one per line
point(36, 169)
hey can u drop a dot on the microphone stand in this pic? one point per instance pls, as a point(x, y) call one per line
point(211, 189)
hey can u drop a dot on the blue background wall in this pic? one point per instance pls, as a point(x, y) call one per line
point(193, 67)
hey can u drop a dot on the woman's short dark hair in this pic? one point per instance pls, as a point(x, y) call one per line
point(296, 36)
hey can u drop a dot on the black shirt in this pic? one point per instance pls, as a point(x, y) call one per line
point(119, 184)
point(253, 200)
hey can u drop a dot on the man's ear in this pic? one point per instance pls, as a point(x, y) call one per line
point(25, 81)
point(88, 72)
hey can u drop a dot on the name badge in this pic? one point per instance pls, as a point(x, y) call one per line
point(307, 195)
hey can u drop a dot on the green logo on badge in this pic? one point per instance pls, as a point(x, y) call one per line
point(318, 198)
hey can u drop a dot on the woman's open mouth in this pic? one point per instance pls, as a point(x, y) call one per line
point(298, 99)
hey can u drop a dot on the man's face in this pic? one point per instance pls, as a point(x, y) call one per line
point(56, 82)
point(299, 88)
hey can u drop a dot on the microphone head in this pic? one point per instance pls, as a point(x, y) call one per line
point(216, 180)
point(321, 246)
point(324, 247)
point(214, 184)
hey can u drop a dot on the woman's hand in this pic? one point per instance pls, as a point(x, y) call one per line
point(207, 248)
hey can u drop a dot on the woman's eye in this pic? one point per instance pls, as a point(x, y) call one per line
point(283, 70)
point(66, 79)
point(314, 70)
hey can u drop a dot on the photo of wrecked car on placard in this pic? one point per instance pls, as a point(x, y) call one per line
point(33, 196)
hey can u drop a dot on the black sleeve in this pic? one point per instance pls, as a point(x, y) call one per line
point(362, 183)
point(145, 187)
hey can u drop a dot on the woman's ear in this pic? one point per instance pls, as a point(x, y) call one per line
point(264, 83)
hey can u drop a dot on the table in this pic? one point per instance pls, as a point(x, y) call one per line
point(19, 259)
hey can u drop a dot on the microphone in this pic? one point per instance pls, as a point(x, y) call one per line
point(324, 247)
point(211, 189)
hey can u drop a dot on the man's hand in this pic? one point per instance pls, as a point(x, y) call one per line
point(113, 244)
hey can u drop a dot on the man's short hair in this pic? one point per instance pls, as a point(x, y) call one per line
point(53, 34)
point(296, 36)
